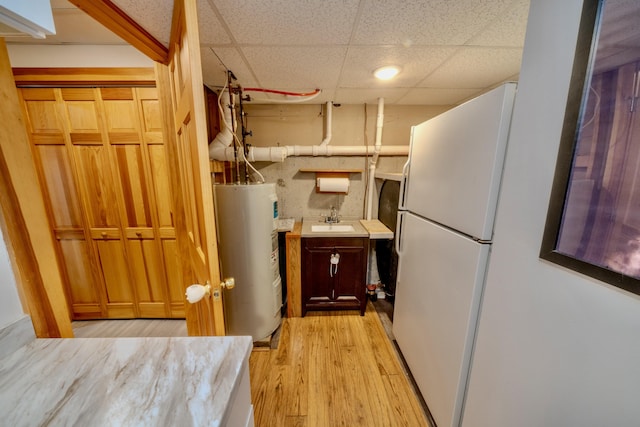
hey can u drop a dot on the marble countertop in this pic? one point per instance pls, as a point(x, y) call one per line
point(122, 381)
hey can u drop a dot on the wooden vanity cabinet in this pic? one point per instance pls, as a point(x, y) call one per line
point(341, 286)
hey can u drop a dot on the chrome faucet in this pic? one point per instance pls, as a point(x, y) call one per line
point(333, 217)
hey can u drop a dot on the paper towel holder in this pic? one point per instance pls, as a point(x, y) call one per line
point(331, 173)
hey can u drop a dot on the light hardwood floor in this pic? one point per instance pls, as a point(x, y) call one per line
point(328, 369)
point(332, 369)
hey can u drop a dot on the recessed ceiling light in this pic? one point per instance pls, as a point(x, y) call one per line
point(386, 73)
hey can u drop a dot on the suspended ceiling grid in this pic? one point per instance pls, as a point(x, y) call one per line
point(448, 50)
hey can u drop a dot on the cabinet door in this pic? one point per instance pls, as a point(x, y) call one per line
point(327, 286)
point(317, 281)
point(349, 280)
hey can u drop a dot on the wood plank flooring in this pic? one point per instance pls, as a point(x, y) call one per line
point(332, 369)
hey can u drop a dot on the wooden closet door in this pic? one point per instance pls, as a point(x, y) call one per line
point(152, 131)
point(53, 162)
point(99, 194)
point(132, 167)
point(104, 169)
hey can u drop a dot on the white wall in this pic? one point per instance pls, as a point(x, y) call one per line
point(10, 307)
point(302, 124)
point(554, 348)
point(61, 56)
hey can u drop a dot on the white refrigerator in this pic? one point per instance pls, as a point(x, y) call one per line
point(445, 226)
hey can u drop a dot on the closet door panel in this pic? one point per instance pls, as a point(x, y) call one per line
point(151, 122)
point(120, 292)
point(121, 115)
point(42, 117)
point(83, 291)
point(174, 275)
point(133, 182)
point(148, 277)
point(81, 113)
point(60, 186)
point(161, 187)
point(98, 190)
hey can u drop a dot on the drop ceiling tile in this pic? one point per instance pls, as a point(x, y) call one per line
point(475, 67)
point(431, 96)
point(416, 63)
point(419, 22)
point(209, 26)
point(152, 15)
point(508, 29)
point(289, 22)
point(368, 96)
point(296, 67)
point(214, 71)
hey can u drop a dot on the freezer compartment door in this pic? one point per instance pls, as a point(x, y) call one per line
point(456, 162)
point(440, 281)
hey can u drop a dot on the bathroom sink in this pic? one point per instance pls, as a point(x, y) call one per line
point(332, 228)
point(347, 227)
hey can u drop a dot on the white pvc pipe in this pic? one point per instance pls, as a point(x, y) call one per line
point(279, 154)
point(224, 138)
point(374, 159)
point(221, 148)
point(327, 126)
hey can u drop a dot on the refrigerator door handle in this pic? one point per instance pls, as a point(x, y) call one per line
point(403, 184)
point(398, 242)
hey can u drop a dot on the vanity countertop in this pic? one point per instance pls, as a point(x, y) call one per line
point(186, 381)
point(357, 229)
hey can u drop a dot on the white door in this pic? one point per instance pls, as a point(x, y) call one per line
point(440, 281)
point(456, 163)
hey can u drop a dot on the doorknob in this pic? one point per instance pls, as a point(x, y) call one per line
point(228, 283)
point(196, 292)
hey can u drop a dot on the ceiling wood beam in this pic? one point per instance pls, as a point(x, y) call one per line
point(114, 18)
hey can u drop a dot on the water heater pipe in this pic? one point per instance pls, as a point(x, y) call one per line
point(327, 126)
point(374, 159)
point(221, 148)
point(224, 138)
point(279, 154)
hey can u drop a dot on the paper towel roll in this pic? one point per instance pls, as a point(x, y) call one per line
point(333, 185)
